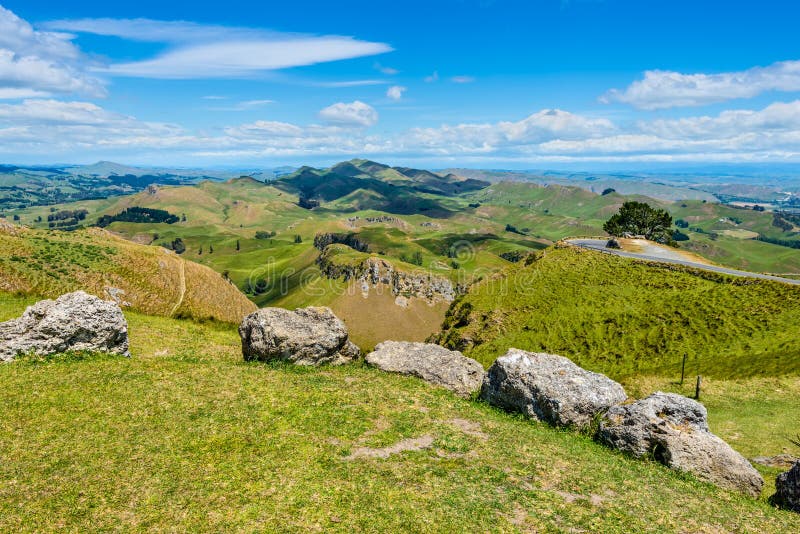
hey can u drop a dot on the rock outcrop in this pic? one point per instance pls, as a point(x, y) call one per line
point(73, 322)
point(674, 429)
point(306, 336)
point(431, 363)
point(549, 388)
point(787, 489)
point(374, 271)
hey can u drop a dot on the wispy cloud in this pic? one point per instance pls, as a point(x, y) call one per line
point(245, 105)
point(660, 89)
point(351, 83)
point(434, 77)
point(210, 51)
point(462, 79)
point(395, 92)
point(389, 71)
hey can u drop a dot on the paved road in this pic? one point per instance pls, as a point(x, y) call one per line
point(600, 244)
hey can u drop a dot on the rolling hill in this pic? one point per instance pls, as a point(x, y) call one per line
point(261, 235)
point(143, 278)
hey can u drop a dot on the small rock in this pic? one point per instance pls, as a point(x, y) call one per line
point(432, 363)
point(787, 489)
point(549, 388)
point(73, 322)
point(306, 336)
point(781, 461)
point(674, 429)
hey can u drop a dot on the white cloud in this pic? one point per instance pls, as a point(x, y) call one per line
point(355, 113)
point(14, 93)
point(395, 92)
point(36, 63)
point(55, 129)
point(433, 77)
point(52, 126)
point(149, 30)
point(540, 127)
point(666, 89)
point(462, 79)
point(261, 129)
point(209, 51)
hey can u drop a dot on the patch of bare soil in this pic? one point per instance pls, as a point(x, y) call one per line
point(409, 444)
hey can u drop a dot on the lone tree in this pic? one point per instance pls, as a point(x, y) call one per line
point(639, 218)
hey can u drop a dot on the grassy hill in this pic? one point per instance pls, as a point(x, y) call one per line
point(624, 317)
point(150, 279)
point(452, 227)
point(186, 436)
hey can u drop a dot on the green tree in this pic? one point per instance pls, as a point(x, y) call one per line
point(178, 246)
point(639, 218)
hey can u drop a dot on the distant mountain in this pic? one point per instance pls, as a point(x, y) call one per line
point(658, 187)
point(362, 184)
point(106, 169)
point(21, 187)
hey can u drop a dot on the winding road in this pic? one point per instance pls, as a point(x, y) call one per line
point(663, 255)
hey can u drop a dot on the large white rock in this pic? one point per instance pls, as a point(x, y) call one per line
point(432, 363)
point(73, 322)
point(549, 388)
point(674, 429)
point(306, 336)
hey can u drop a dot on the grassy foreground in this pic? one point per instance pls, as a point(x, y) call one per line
point(184, 436)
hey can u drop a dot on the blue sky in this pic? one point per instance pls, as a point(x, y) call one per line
point(483, 83)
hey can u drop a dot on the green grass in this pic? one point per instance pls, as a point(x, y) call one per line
point(623, 317)
point(185, 436)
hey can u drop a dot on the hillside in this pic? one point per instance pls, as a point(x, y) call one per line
point(185, 436)
point(622, 317)
point(261, 235)
point(147, 279)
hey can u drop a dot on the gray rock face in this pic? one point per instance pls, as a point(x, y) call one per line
point(431, 363)
point(306, 336)
point(675, 430)
point(73, 322)
point(549, 388)
point(787, 489)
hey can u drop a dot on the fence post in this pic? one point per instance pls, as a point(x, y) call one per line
point(683, 368)
point(697, 388)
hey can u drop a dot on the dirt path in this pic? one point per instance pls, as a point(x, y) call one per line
point(182, 273)
point(655, 253)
